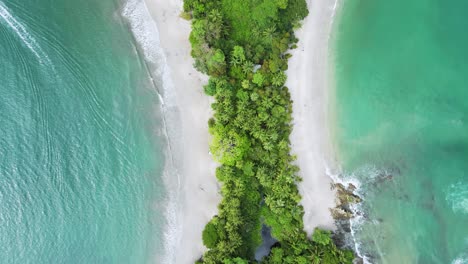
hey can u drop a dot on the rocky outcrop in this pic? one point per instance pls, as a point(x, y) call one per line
point(345, 198)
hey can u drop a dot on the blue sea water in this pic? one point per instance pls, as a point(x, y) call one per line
point(81, 147)
point(402, 130)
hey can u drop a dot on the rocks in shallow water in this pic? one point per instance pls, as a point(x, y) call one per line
point(345, 195)
point(345, 198)
point(358, 260)
point(340, 214)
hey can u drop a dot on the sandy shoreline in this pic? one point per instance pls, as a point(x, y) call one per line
point(198, 191)
point(309, 85)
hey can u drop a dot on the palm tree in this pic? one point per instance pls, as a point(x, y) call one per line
point(256, 33)
point(268, 33)
point(279, 79)
point(247, 67)
point(215, 16)
point(237, 56)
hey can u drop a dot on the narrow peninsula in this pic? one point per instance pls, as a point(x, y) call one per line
point(243, 46)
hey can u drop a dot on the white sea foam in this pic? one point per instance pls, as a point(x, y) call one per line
point(358, 220)
point(143, 28)
point(462, 259)
point(372, 173)
point(457, 197)
point(146, 34)
point(21, 31)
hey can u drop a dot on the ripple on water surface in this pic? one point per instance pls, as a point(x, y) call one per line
point(81, 159)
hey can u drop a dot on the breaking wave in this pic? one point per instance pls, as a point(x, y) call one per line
point(457, 197)
point(146, 35)
point(373, 175)
point(462, 259)
point(22, 32)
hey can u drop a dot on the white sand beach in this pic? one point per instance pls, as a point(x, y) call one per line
point(199, 188)
point(309, 84)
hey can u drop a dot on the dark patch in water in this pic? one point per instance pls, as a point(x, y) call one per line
point(268, 241)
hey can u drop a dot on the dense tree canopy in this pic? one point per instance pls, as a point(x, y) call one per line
point(242, 45)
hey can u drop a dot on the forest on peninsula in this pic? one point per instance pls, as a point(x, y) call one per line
point(242, 45)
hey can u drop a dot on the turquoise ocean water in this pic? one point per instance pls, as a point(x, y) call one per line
point(402, 126)
point(80, 142)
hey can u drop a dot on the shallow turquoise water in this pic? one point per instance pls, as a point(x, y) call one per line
point(80, 156)
point(402, 131)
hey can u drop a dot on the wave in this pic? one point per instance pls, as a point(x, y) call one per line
point(21, 31)
point(64, 57)
point(462, 259)
point(358, 220)
point(457, 197)
point(363, 185)
point(146, 34)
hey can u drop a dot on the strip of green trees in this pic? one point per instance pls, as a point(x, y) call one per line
point(243, 46)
